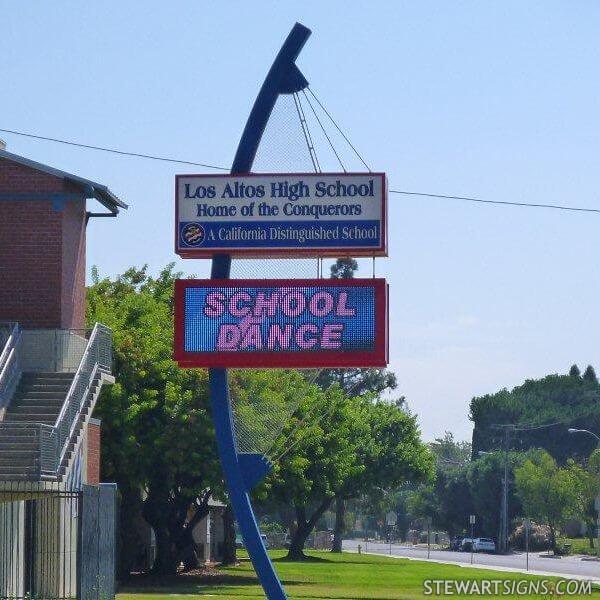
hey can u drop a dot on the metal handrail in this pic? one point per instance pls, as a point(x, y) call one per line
point(9, 365)
point(52, 441)
point(96, 358)
point(45, 448)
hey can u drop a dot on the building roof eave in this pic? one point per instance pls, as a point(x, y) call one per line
point(91, 189)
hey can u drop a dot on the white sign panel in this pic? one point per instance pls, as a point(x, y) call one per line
point(294, 214)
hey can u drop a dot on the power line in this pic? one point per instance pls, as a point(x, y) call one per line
point(504, 202)
point(533, 426)
point(219, 168)
point(113, 150)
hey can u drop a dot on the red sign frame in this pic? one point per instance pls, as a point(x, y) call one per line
point(286, 252)
point(378, 357)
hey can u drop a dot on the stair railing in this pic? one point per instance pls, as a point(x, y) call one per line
point(10, 369)
point(96, 359)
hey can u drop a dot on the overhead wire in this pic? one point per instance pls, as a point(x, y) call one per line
point(505, 202)
point(220, 168)
point(114, 150)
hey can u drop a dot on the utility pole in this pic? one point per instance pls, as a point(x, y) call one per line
point(504, 519)
point(503, 533)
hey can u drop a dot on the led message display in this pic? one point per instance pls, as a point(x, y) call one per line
point(281, 323)
point(308, 214)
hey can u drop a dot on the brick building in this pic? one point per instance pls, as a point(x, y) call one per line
point(51, 372)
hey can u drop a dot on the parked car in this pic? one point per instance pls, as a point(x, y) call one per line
point(467, 544)
point(484, 545)
point(455, 543)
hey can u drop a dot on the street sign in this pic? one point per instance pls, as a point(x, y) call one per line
point(295, 214)
point(471, 519)
point(273, 323)
point(391, 519)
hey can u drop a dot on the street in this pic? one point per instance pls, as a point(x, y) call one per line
point(570, 566)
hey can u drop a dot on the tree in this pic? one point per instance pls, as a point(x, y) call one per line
point(551, 404)
point(354, 382)
point(590, 374)
point(589, 484)
point(574, 371)
point(159, 442)
point(450, 452)
point(549, 494)
point(344, 268)
point(351, 447)
point(321, 455)
point(485, 480)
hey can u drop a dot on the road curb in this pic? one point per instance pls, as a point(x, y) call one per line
point(594, 580)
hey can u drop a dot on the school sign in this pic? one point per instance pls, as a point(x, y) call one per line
point(299, 214)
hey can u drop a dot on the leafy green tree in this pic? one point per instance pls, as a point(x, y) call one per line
point(351, 447)
point(344, 268)
point(550, 494)
point(448, 501)
point(321, 442)
point(485, 480)
point(588, 491)
point(574, 371)
point(354, 382)
point(159, 443)
point(450, 452)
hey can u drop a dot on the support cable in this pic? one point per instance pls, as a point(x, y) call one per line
point(306, 131)
point(310, 418)
point(324, 131)
point(287, 450)
point(339, 129)
point(275, 445)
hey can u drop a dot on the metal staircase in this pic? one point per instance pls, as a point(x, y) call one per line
point(43, 413)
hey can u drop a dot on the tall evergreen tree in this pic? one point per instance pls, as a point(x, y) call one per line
point(590, 374)
point(574, 371)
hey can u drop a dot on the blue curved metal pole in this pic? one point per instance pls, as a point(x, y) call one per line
point(283, 78)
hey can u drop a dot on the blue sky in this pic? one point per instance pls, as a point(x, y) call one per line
point(492, 99)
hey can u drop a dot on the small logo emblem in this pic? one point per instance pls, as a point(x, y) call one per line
point(193, 234)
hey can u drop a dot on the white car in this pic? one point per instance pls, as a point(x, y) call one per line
point(467, 543)
point(484, 545)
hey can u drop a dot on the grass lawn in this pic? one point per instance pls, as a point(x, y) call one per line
point(326, 576)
